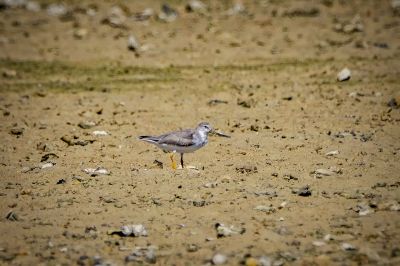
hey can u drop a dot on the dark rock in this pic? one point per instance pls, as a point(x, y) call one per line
point(199, 203)
point(302, 12)
point(289, 98)
point(290, 177)
point(381, 45)
point(269, 193)
point(255, 128)
point(74, 140)
point(304, 191)
point(42, 146)
point(216, 101)
point(393, 103)
point(158, 164)
point(247, 169)
point(17, 131)
point(12, 216)
point(395, 252)
point(167, 14)
point(156, 201)
point(246, 103)
point(61, 181)
point(48, 156)
point(364, 137)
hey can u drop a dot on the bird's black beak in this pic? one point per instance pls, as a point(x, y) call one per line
point(219, 134)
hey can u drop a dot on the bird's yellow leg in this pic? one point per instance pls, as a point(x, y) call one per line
point(171, 156)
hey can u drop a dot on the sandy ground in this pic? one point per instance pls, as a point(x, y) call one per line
point(264, 72)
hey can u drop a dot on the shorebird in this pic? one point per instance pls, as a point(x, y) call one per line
point(183, 141)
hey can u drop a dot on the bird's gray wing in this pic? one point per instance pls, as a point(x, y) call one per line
point(181, 138)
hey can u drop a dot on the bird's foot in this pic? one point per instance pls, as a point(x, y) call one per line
point(173, 165)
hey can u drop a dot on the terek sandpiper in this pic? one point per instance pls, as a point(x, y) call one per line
point(183, 141)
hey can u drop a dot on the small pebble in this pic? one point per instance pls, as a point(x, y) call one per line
point(100, 133)
point(332, 153)
point(86, 124)
point(26, 169)
point(211, 185)
point(9, 73)
point(283, 205)
point(266, 209)
point(195, 6)
point(319, 243)
point(133, 44)
point(80, 33)
point(219, 259)
point(192, 248)
point(348, 247)
point(56, 10)
point(251, 262)
point(344, 75)
point(223, 231)
point(47, 165)
point(265, 261)
point(146, 14)
point(323, 172)
point(134, 230)
point(237, 8)
point(96, 171)
point(395, 207)
point(32, 6)
point(167, 14)
point(116, 18)
point(363, 209)
point(150, 256)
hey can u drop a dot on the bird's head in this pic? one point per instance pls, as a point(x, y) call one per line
point(205, 127)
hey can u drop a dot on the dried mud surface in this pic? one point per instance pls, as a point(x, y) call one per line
point(266, 75)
